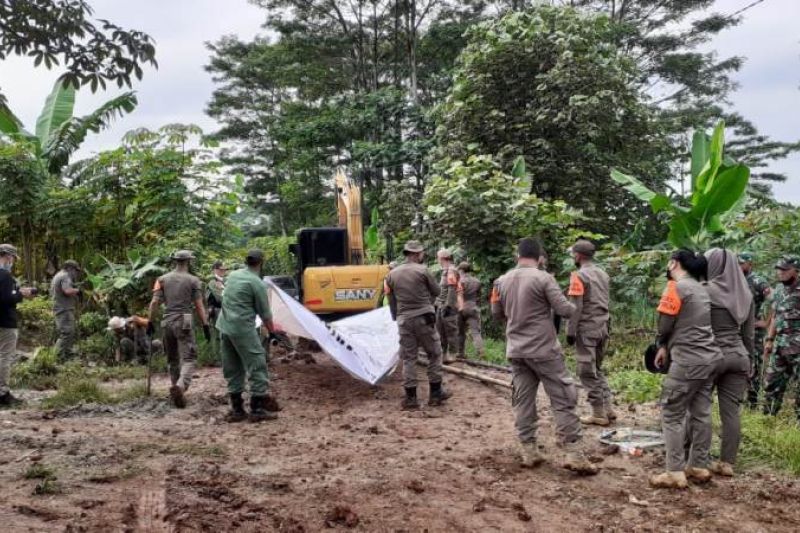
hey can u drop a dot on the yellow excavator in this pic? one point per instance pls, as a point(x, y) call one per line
point(331, 273)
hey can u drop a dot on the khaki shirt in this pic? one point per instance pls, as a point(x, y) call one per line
point(414, 289)
point(588, 291)
point(470, 289)
point(525, 297)
point(685, 324)
point(448, 287)
point(177, 291)
point(732, 338)
point(61, 302)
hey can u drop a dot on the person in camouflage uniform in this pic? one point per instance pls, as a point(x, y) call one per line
point(761, 291)
point(782, 344)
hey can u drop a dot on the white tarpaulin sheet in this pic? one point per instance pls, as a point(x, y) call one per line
point(365, 345)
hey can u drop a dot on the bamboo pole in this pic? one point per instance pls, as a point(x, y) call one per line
point(470, 374)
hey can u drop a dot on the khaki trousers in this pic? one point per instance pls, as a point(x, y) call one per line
point(732, 383)
point(470, 321)
point(8, 354)
point(66, 327)
point(686, 406)
point(181, 350)
point(447, 327)
point(526, 374)
point(589, 353)
point(415, 333)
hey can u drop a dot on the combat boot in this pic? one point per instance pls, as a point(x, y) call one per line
point(237, 412)
point(531, 457)
point(438, 395)
point(610, 413)
point(721, 468)
point(575, 460)
point(699, 475)
point(410, 401)
point(597, 418)
point(258, 411)
point(669, 480)
point(177, 397)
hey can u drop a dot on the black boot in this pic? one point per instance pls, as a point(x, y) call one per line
point(438, 395)
point(237, 412)
point(8, 400)
point(258, 409)
point(410, 401)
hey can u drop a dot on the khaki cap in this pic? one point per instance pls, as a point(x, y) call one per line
point(582, 246)
point(444, 253)
point(116, 322)
point(183, 255)
point(413, 247)
point(464, 266)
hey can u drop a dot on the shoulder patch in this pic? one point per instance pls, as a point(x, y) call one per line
point(576, 287)
point(452, 277)
point(386, 288)
point(670, 303)
point(495, 296)
point(157, 286)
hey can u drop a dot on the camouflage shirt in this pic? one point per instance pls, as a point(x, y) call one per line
point(786, 304)
point(760, 289)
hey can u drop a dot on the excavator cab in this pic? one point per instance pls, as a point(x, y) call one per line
point(330, 270)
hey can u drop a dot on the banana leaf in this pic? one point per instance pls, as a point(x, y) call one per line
point(57, 109)
point(658, 202)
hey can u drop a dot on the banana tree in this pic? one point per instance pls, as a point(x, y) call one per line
point(718, 185)
point(58, 133)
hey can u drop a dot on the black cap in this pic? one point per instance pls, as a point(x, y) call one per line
point(650, 361)
point(255, 255)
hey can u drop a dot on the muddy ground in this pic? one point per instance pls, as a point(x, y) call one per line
point(342, 455)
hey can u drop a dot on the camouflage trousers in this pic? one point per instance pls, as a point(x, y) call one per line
point(470, 321)
point(783, 369)
point(66, 328)
point(757, 360)
point(415, 333)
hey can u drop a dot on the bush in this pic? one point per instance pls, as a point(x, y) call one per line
point(97, 348)
point(770, 441)
point(39, 372)
point(76, 391)
point(36, 322)
point(92, 323)
point(637, 386)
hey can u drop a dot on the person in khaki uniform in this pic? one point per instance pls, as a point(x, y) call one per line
point(181, 293)
point(686, 338)
point(447, 306)
point(469, 311)
point(412, 290)
point(588, 330)
point(65, 301)
point(525, 298)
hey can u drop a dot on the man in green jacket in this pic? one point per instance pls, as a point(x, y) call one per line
point(243, 354)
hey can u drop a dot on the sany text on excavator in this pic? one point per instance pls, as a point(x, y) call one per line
point(331, 273)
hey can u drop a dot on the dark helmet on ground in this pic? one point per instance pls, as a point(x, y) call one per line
point(182, 255)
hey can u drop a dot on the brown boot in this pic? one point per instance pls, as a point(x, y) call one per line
point(177, 397)
point(597, 418)
point(610, 413)
point(721, 468)
point(575, 460)
point(698, 475)
point(531, 457)
point(669, 480)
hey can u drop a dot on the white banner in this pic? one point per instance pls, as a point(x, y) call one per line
point(365, 345)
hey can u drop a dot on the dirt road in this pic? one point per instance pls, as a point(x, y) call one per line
point(341, 456)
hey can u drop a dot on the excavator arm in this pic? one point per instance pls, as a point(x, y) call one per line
point(349, 207)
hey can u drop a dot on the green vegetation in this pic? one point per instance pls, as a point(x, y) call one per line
point(75, 391)
point(39, 471)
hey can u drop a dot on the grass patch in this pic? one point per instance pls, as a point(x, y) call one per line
point(636, 386)
point(72, 392)
point(769, 441)
point(39, 471)
point(47, 486)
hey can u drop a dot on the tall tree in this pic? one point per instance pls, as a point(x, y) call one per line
point(550, 85)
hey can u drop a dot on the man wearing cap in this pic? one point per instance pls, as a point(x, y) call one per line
point(131, 342)
point(181, 294)
point(588, 330)
point(10, 295)
point(469, 312)
point(412, 291)
point(447, 306)
point(214, 290)
point(524, 298)
point(761, 291)
point(65, 301)
point(782, 344)
point(243, 355)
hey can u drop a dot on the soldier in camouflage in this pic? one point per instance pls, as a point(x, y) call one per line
point(761, 291)
point(782, 345)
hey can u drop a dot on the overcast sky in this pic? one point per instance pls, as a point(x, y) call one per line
point(768, 94)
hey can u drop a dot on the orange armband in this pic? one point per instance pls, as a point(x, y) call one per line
point(576, 287)
point(670, 303)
